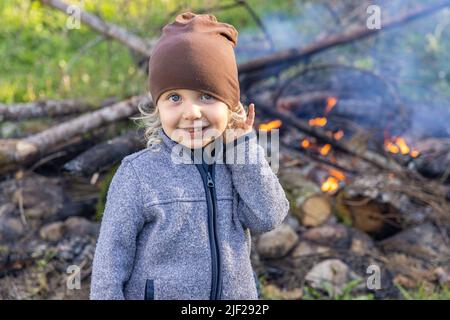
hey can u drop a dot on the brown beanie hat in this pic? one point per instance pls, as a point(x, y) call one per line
point(196, 52)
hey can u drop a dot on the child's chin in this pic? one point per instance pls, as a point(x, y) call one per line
point(195, 143)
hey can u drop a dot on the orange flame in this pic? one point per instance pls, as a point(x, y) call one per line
point(330, 184)
point(414, 153)
point(325, 149)
point(331, 102)
point(399, 145)
point(338, 135)
point(337, 174)
point(305, 143)
point(275, 124)
point(318, 122)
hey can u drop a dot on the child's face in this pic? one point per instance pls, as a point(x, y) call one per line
point(181, 109)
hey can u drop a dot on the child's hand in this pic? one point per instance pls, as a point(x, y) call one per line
point(244, 127)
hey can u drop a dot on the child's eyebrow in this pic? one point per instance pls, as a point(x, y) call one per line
point(170, 92)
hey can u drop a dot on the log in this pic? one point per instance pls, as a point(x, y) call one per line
point(106, 28)
point(14, 152)
point(48, 108)
point(380, 220)
point(316, 210)
point(304, 99)
point(103, 156)
point(352, 108)
point(434, 159)
point(414, 202)
point(307, 203)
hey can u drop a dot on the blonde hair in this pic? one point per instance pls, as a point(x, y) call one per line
point(151, 121)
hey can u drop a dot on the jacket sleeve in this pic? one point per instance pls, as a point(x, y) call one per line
point(262, 202)
point(121, 223)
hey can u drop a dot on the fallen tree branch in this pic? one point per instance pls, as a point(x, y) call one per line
point(48, 108)
point(20, 151)
point(108, 29)
point(105, 154)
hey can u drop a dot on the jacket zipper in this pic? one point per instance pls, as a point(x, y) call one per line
point(216, 237)
point(216, 284)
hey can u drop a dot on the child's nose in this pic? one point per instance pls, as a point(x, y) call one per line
point(192, 111)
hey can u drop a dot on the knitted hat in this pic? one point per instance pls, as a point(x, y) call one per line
point(196, 52)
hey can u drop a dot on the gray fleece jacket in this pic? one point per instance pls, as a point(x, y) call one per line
point(173, 229)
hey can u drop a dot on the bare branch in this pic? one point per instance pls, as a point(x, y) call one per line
point(108, 29)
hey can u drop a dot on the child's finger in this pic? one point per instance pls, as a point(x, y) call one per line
point(251, 114)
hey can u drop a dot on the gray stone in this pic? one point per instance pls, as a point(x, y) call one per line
point(424, 241)
point(76, 226)
point(52, 232)
point(331, 275)
point(335, 236)
point(11, 229)
point(277, 243)
point(305, 248)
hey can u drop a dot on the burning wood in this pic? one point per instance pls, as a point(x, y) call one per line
point(331, 102)
point(275, 124)
point(331, 184)
point(399, 145)
point(338, 135)
point(325, 149)
point(318, 122)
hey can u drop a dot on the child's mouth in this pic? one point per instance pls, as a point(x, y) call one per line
point(196, 131)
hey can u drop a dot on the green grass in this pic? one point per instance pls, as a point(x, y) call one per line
point(44, 59)
point(424, 292)
point(347, 293)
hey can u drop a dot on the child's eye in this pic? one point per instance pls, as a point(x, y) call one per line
point(175, 96)
point(207, 97)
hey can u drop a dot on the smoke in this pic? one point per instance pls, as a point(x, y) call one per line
point(412, 59)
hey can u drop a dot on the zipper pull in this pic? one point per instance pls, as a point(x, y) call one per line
point(210, 181)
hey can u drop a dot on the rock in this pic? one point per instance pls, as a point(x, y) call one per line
point(305, 248)
point(277, 243)
point(424, 241)
point(52, 232)
point(40, 197)
point(335, 236)
point(271, 291)
point(331, 275)
point(11, 229)
point(292, 221)
point(7, 209)
point(443, 277)
point(76, 226)
point(361, 243)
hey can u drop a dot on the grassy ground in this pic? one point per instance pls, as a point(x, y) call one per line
point(44, 59)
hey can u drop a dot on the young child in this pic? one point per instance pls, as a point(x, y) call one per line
point(177, 229)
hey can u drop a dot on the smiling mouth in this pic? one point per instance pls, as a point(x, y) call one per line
point(193, 130)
